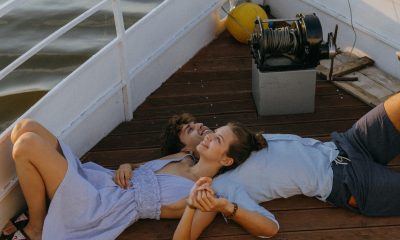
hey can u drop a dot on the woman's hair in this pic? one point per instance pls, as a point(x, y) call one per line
point(245, 143)
point(170, 141)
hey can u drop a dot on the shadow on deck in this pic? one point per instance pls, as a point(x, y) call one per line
point(215, 86)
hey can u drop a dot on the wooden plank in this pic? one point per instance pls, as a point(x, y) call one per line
point(187, 77)
point(299, 202)
point(204, 87)
point(366, 89)
point(346, 67)
point(307, 129)
point(151, 139)
point(195, 98)
point(322, 113)
point(206, 106)
point(376, 233)
point(213, 51)
point(219, 64)
point(383, 79)
point(158, 99)
point(333, 219)
point(373, 86)
point(245, 105)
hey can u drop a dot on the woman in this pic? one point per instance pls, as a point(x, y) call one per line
point(88, 201)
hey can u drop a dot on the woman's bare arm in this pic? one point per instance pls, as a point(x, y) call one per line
point(193, 221)
point(192, 224)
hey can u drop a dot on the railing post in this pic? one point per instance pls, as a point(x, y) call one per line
point(120, 29)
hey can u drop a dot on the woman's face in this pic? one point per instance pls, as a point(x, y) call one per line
point(215, 145)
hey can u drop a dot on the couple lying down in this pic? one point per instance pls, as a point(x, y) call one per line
point(88, 201)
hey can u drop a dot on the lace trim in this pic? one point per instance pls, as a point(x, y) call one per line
point(147, 193)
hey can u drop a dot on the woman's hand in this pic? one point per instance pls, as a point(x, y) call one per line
point(202, 196)
point(193, 222)
point(123, 176)
point(203, 184)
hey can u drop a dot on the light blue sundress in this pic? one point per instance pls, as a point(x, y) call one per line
point(89, 205)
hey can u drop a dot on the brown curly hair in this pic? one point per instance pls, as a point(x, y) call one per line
point(170, 141)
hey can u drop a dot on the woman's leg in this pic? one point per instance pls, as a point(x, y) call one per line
point(30, 125)
point(40, 169)
point(392, 107)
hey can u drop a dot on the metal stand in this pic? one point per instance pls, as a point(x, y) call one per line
point(287, 92)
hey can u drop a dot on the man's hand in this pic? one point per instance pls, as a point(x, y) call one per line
point(123, 176)
point(208, 202)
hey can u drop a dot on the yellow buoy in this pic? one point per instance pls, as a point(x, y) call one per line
point(240, 22)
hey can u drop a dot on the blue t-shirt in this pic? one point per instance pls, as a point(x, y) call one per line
point(290, 165)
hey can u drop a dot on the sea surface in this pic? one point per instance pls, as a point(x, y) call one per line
point(33, 21)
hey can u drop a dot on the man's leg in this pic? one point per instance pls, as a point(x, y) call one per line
point(377, 133)
point(40, 169)
point(381, 194)
point(392, 107)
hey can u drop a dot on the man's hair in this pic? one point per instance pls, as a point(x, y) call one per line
point(170, 141)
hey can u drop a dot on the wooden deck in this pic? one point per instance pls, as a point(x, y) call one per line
point(215, 86)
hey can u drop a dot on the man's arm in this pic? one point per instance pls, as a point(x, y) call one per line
point(249, 214)
point(123, 174)
point(254, 222)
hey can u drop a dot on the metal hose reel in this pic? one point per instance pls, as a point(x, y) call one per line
point(297, 46)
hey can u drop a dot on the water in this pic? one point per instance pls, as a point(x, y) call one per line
point(34, 20)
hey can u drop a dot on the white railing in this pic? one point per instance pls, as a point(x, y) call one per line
point(119, 25)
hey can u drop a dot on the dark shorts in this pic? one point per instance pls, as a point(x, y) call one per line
point(370, 144)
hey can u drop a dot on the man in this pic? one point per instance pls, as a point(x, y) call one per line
point(182, 134)
point(349, 172)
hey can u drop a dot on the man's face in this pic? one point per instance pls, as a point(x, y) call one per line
point(192, 134)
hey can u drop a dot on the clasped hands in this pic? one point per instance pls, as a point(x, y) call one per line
point(203, 197)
